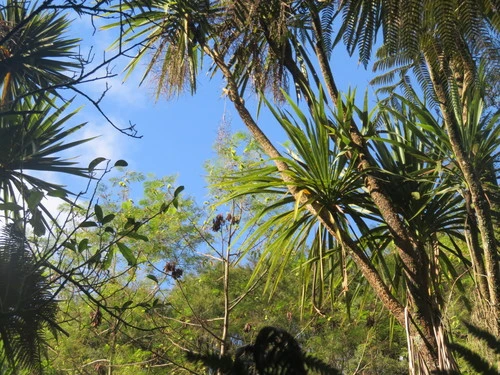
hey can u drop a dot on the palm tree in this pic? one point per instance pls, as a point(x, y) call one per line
point(27, 306)
point(35, 58)
point(442, 43)
point(34, 54)
point(31, 136)
point(280, 30)
point(405, 160)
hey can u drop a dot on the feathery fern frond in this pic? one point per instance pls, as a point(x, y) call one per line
point(328, 14)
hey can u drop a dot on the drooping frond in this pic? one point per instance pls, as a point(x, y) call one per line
point(452, 35)
point(170, 34)
point(361, 22)
point(329, 13)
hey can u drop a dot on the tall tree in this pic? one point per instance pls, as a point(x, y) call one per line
point(446, 44)
point(256, 42)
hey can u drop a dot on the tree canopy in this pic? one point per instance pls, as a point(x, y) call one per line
point(395, 201)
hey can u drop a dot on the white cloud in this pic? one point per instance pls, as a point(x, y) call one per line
point(109, 142)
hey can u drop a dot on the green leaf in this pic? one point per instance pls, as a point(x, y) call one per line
point(34, 198)
point(164, 207)
point(130, 222)
point(37, 222)
point(83, 245)
point(109, 230)
point(10, 206)
point(106, 219)
point(126, 304)
point(88, 224)
point(94, 163)
point(58, 193)
point(137, 236)
point(98, 213)
point(152, 277)
point(108, 259)
point(70, 245)
point(121, 163)
point(178, 191)
point(127, 254)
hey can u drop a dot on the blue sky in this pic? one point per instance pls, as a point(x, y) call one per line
point(177, 135)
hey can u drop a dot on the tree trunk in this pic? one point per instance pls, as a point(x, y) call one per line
point(479, 201)
point(423, 316)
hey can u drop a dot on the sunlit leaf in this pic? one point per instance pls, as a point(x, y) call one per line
point(127, 254)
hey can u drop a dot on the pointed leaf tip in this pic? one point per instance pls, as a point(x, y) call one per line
point(178, 191)
point(98, 213)
point(127, 254)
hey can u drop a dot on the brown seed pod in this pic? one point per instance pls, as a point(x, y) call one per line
point(95, 318)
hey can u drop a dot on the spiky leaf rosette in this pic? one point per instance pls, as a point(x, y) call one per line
point(27, 304)
point(35, 54)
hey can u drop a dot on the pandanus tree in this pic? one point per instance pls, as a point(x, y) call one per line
point(27, 304)
point(36, 58)
point(35, 54)
point(33, 135)
point(358, 176)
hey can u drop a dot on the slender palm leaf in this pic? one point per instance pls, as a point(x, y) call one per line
point(321, 173)
point(34, 53)
point(31, 139)
point(168, 33)
point(27, 306)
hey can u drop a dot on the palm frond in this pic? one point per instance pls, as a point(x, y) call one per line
point(26, 303)
point(35, 54)
point(32, 138)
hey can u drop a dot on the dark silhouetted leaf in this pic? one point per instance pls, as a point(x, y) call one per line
point(94, 163)
point(98, 213)
point(34, 198)
point(152, 277)
point(83, 245)
point(121, 163)
point(88, 224)
point(106, 219)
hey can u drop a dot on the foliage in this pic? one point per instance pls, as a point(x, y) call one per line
point(35, 53)
point(476, 361)
point(27, 303)
point(32, 137)
point(395, 203)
